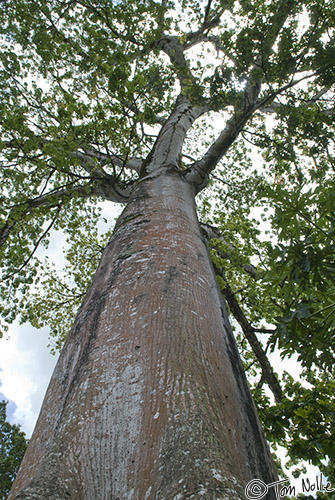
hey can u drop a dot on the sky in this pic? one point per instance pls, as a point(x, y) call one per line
point(26, 366)
point(26, 363)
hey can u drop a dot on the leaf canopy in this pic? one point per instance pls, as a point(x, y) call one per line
point(88, 91)
point(12, 447)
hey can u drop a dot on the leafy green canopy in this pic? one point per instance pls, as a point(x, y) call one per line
point(87, 87)
point(12, 447)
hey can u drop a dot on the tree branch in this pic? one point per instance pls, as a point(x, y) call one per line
point(275, 106)
point(91, 159)
point(256, 346)
point(28, 259)
point(213, 40)
point(107, 189)
point(210, 233)
point(168, 146)
point(198, 173)
point(172, 46)
point(195, 37)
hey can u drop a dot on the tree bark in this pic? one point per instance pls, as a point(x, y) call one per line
point(149, 398)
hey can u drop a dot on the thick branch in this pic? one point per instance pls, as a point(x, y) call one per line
point(108, 190)
point(211, 232)
point(172, 47)
point(198, 173)
point(91, 158)
point(256, 346)
point(169, 143)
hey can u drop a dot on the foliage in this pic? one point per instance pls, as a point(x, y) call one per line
point(305, 272)
point(303, 422)
point(58, 294)
point(289, 299)
point(86, 94)
point(12, 447)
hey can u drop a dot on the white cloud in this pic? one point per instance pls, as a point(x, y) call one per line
point(26, 366)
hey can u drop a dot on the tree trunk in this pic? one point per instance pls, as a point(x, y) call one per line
point(149, 399)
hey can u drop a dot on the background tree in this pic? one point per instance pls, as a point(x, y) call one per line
point(13, 444)
point(98, 96)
